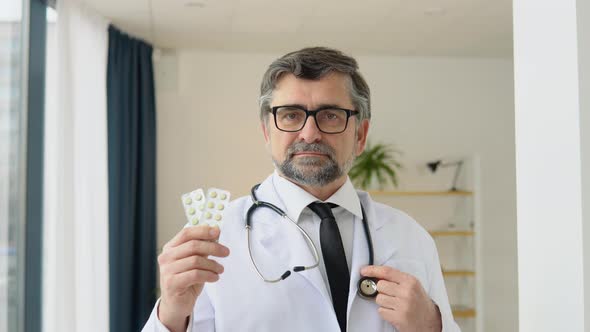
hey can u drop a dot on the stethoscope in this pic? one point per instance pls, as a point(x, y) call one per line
point(366, 288)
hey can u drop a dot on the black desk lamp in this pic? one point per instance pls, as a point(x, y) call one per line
point(434, 165)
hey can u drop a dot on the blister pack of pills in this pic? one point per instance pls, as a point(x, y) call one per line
point(207, 208)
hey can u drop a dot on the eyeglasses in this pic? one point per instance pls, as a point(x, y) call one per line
point(328, 119)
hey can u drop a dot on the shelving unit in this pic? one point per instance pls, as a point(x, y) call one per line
point(452, 241)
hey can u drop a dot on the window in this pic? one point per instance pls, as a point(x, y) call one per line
point(22, 89)
point(11, 163)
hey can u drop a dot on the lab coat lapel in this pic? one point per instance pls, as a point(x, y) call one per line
point(382, 248)
point(302, 254)
point(283, 245)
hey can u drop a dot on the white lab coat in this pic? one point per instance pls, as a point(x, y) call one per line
point(241, 301)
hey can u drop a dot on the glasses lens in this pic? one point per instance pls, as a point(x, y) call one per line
point(289, 118)
point(331, 120)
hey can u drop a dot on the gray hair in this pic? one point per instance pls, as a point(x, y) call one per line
point(314, 63)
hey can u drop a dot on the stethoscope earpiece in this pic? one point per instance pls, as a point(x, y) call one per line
point(367, 288)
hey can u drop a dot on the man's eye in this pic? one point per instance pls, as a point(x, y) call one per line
point(290, 115)
point(330, 115)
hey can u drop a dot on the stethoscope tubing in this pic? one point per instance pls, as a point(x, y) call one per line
point(261, 204)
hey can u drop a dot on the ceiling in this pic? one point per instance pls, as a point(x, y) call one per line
point(472, 28)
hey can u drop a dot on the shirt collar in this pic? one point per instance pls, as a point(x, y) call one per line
point(295, 199)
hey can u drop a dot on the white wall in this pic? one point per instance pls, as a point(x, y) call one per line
point(209, 135)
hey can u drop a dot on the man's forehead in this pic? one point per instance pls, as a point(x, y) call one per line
point(332, 88)
point(333, 77)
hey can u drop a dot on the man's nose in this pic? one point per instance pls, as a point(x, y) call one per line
point(310, 132)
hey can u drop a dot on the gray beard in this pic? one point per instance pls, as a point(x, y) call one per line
point(312, 171)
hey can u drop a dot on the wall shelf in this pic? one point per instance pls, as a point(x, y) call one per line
point(458, 273)
point(420, 193)
point(463, 312)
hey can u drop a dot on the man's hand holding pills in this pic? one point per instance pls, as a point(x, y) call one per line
point(184, 268)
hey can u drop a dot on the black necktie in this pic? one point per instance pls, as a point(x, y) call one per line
point(334, 260)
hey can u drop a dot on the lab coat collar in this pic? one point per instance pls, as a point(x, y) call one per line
point(295, 199)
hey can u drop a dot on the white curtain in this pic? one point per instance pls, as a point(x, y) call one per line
point(75, 268)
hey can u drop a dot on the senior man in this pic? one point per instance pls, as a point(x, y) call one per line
point(315, 117)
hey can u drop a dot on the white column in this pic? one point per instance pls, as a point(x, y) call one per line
point(551, 55)
point(583, 15)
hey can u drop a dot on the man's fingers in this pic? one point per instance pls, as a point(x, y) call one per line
point(387, 287)
point(186, 279)
point(387, 301)
point(201, 232)
point(191, 263)
point(384, 272)
point(389, 315)
point(192, 248)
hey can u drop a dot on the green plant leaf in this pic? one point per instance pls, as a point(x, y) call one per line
point(378, 162)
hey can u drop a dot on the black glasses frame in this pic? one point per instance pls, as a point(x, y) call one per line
point(313, 113)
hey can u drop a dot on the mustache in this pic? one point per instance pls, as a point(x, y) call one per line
point(313, 147)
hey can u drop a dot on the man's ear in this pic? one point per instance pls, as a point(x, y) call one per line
point(265, 132)
point(362, 134)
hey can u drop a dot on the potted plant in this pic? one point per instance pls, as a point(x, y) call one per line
point(377, 163)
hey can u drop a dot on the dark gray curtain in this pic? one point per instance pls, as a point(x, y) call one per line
point(132, 181)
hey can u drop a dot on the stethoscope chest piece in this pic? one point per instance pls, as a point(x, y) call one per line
point(367, 288)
